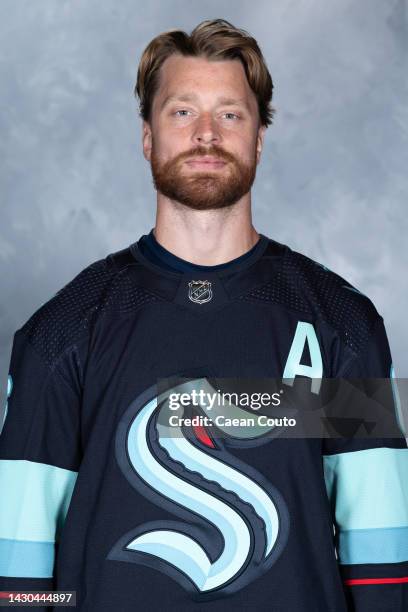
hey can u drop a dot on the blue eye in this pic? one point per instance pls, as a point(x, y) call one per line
point(181, 111)
point(233, 115)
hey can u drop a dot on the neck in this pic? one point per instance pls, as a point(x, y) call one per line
point(205, 237)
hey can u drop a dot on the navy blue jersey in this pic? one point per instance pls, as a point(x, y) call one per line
point(94, 501)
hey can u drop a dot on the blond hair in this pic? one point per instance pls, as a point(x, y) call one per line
point(214, 39)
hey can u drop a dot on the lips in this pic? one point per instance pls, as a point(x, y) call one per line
point(206, 162)
point(206, 159)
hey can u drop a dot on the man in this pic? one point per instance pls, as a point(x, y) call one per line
point(95, 497)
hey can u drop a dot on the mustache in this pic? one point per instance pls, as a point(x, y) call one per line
point(199, 151)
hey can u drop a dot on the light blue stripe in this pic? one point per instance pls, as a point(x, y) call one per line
point(373, 545)
point(175, 548)
point(368, 489)
point(35, 499)
point(20, 559)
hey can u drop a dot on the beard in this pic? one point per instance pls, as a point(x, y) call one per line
point(203, 189)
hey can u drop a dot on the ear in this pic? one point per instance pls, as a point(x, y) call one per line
point(259, 142)
point(147, 140)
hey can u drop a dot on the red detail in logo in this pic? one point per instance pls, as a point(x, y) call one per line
point(202, 435)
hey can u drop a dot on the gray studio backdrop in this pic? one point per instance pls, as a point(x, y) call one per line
point(74, 184)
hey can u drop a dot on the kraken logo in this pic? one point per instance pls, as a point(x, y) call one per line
point(232, 523)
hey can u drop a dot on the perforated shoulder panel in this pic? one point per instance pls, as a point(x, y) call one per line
point(102, 285)
point(305, 285)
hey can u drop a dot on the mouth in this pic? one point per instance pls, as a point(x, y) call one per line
point(205, 162)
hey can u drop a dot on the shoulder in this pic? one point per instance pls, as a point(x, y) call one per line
point(310, 289)
point(67, 316)
point(332, 299)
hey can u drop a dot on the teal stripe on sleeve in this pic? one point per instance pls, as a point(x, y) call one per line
point(368, 489)
point(35, 500)
point(20, 559)
point(373, 545)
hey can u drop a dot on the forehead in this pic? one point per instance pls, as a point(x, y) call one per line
point(183, 75)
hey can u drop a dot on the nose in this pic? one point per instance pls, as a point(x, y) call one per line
point(206, 130)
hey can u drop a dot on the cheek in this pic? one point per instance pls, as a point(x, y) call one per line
point(243, 146)
point(239, 137)
point(167, 150)
point(172, 140)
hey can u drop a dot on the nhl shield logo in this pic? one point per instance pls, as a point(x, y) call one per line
point(199, 291)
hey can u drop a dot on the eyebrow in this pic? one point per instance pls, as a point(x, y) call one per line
point(225, 101)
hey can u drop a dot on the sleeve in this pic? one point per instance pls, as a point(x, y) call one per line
point(367, 486)
point(39, 461)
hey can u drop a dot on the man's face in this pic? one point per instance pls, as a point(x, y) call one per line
point(204, 139)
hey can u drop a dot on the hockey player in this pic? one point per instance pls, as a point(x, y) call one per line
point(95, 497)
